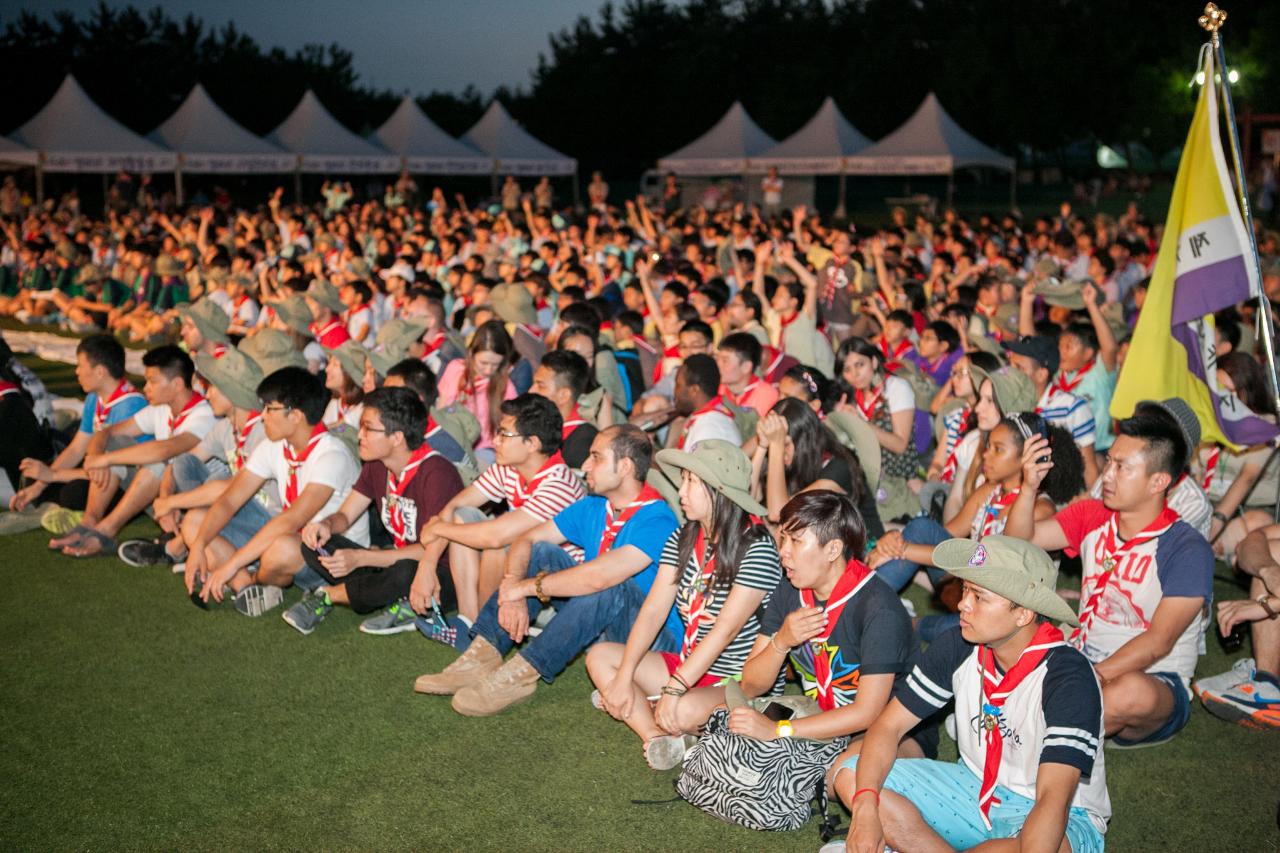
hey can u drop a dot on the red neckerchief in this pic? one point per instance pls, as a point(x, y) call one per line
point(994, 693)
point(783, 322)
point(1070, 381)
point(1211, 465)
point(343, 408)
point(1108, 556)
point(856, 574)
point(998, 500)
point(362, 308)
point(219, 350)
point(7, 388)
point(101, 410)
point(522, 491)
point(775, 357)
point(436, 341)
point(432, 426)
point(829, 288)
point(868, 406)
point(893, 356)
point(993, 328)
point(397, 486)
point(177, 420)
point(667, 354)
point(743, 399)
point(614, 523)
point(295, 461)
point(332, 335)
point(242, 438)
point(571, 423)
point(715, 404)
point(533, 330)
point(239, 303)
point(702, 588)
point(949, 466)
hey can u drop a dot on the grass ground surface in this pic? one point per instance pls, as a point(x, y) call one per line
point(132, 720)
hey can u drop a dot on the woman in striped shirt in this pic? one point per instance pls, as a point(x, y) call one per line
point(718, 571)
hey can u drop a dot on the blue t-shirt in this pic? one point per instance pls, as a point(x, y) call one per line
point(583, 523)
point(121, 411)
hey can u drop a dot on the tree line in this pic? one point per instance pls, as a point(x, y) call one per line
point(639, 79)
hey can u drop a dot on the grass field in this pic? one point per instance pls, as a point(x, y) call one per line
point(134, 720)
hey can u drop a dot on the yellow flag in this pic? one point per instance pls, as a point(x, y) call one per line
point(1205, 264)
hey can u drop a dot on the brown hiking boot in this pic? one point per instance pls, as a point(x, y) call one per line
point(510, 685)
point(480, 659)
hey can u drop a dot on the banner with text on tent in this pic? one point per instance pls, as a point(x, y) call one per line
point(1205, 264)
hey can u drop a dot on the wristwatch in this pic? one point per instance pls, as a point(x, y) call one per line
point(784, 728)
point(1265, 601)
point(543, 598)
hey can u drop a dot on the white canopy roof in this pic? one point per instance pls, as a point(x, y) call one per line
point(928, 143)
point(73, 134)
point(12, 152)
point(818, 148)
point(208, 140)
point(722, 150)
point(325, 146)
point(427, 148)
point(513, 149)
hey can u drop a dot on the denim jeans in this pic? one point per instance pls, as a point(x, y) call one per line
point(190, 473)
point(919, 531)
point(579, 621)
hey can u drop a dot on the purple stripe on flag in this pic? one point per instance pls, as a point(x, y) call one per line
point(1209, 289)
point(1244, 431)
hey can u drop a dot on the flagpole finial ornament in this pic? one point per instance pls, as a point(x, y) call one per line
point(1213, 18)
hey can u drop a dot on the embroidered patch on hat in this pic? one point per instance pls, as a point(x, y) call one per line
point(979, 556)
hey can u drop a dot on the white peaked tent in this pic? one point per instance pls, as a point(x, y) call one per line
point(722, 150)
point(324, 146)
point(513, 149)
point(426, 148)
point(818, 148)
point(207, 140)
point(928, 143)
point(11, 153)
point(73, 134)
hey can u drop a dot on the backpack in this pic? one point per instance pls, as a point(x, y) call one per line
point(762, 785)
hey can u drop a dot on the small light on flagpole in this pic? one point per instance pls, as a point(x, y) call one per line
point(1199, 78)
point(1233, 76)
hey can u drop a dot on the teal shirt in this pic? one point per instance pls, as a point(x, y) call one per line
point(1097, 387)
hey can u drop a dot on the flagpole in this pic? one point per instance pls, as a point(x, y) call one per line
point(1212, 20)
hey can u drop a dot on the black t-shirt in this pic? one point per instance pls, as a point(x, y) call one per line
point(837, 471)
point(872, 637)
point(577, 447)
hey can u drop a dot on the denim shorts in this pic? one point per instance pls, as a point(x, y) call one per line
point(247, 521)
point(1177, 719)
point(946, 794)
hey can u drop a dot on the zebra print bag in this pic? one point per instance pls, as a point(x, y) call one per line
point(763, 785)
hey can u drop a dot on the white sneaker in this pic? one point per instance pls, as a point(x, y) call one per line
point(1241, 670)
point(256, 599)
point(180, 568)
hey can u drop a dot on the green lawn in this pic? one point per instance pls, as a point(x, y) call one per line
point(134, 720)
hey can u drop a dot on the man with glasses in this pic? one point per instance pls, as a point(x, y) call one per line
point(531, 477)
point(410, 483)
point(314, 473)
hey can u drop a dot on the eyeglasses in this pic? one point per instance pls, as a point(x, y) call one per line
point(276, 408)
point(504, 434)
point(363, 428)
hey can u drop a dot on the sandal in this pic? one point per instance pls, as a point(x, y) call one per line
point(106, 545)
point(73, 538)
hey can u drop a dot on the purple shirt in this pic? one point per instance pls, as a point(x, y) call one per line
point(940, 372)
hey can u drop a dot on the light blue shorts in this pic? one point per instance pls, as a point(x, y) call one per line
point(946, 793)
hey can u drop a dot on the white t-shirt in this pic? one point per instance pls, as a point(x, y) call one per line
point(329, 464)
point(350, 416)
point(898, 395)
point(156, 420)
point(220, 443)
point(710, 425)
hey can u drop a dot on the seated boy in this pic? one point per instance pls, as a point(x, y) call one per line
point(411, 483)
point(314, 473)
point(1029, 723)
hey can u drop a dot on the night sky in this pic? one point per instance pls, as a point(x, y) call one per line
point(408, 46)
